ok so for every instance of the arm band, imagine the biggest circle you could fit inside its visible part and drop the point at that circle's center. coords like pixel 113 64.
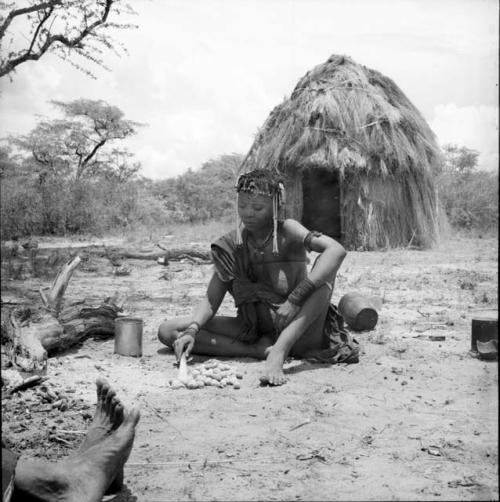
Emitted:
pixel 301 292
pixel 308 239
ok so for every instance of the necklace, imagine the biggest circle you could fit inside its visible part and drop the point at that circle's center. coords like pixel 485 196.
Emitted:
pixel 260 248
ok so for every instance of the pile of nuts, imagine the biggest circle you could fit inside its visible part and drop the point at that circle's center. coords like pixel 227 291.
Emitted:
pixel 211 373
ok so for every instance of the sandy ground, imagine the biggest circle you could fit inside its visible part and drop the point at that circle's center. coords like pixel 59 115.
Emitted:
pixel 416 419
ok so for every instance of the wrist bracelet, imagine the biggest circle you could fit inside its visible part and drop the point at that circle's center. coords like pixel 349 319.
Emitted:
pixel 301 292
pixel 198 327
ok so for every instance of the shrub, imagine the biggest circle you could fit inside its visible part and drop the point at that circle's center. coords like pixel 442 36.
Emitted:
pixel 469 196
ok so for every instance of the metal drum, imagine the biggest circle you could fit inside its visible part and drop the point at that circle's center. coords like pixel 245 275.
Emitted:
pixel 128 336
pixel 358 312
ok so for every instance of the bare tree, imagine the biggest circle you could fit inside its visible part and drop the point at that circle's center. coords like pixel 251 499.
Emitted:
pixel 66 28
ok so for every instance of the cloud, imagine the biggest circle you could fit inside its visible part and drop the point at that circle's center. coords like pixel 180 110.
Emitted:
pixel 474 127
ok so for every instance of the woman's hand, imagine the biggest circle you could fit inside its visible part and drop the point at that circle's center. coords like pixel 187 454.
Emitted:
pixel 184 343
pixel 285 314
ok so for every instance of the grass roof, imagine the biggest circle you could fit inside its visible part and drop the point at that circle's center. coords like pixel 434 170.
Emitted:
pixel 345 116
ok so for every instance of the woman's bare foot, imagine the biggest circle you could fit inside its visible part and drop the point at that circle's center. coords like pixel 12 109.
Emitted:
pixel 81 478
pixel 273 368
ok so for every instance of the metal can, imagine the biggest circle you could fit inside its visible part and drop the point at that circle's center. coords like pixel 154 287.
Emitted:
pixel 128 336
pixel 484 327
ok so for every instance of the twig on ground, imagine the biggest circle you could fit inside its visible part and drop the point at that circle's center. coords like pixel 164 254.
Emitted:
pixel 61 440
pixel 158 414
pixel 27 383
pixel 308 421
pixel 161 247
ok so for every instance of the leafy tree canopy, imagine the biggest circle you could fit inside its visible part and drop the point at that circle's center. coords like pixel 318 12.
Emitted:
pixel 82 144
pixel 202 194
pixel 460 159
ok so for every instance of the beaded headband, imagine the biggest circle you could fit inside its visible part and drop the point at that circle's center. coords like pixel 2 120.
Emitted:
pixel 262 182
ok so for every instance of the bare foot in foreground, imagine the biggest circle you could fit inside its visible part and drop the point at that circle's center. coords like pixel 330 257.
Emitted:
pixel 90 472
pixel 273 369
pixel 108 417
pixel 86 476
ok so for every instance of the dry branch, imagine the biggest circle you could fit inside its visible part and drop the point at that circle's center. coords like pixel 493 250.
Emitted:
pixel 27 383
pixel 56 293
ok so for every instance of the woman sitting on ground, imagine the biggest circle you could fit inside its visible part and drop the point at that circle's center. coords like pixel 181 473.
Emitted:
pixel 281 310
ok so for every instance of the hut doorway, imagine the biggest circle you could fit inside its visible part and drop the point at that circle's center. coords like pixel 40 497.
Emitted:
pixel 321 201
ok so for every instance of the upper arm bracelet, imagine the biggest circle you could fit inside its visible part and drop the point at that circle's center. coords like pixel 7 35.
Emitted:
pixel 308 239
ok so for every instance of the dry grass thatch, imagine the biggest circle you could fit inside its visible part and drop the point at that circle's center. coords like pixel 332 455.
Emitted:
pixel 347 117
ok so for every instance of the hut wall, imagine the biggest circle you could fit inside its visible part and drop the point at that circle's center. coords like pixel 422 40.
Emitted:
pixel 388 213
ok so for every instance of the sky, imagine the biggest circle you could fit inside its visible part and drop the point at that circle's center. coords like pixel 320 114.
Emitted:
pixel 204 74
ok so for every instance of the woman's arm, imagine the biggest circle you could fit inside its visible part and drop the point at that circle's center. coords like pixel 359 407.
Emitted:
pixel 331 256
pixel 211 302
pixel 332 253
pixel 202 314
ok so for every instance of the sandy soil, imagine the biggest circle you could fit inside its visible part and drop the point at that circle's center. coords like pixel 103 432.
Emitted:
pixel 416 419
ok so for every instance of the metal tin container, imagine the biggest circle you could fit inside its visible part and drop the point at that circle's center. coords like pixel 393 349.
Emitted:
pixel 128 336
pixel 358 312
pixel 484 327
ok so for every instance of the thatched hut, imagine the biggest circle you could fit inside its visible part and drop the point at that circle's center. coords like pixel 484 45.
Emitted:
pixel 357 157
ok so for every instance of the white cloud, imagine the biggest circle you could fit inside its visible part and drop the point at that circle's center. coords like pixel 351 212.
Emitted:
pixel 474 127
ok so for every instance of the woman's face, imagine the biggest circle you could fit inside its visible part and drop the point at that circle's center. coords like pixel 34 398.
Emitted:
pixel 255 210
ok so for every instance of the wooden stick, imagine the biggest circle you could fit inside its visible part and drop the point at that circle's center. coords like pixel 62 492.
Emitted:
pixel 44 298
pixel 61 440
pixel 27 383
pixel 161 247
pixel 308 421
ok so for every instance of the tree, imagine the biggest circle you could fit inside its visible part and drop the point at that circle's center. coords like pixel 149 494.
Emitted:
pixel 460 159
pixel 77 146
pixel 66 28
pixel 468 195
pixel 207 193
pixel 9 164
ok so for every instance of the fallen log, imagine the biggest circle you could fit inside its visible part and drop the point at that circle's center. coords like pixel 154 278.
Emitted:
pixel 170 254
pixel 45 256
pixel 25 349
pixel 32 334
